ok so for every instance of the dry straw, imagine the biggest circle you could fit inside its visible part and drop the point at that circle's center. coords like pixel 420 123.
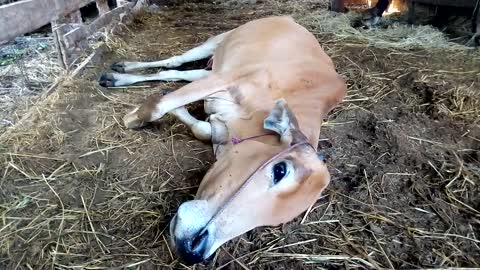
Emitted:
pixel 79 191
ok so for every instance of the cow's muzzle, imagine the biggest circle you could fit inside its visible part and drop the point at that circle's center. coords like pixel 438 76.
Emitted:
pixel 192 250
pixel 188 233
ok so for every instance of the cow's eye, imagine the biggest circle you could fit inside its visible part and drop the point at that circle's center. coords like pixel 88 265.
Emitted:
pixel 279 171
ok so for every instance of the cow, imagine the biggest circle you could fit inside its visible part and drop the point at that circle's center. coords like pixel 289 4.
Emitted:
pixel 270 87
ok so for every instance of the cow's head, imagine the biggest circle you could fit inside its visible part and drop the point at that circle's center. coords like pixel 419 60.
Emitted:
pixel 253 184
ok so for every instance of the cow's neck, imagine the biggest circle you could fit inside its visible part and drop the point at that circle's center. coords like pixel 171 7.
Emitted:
pixel 251 128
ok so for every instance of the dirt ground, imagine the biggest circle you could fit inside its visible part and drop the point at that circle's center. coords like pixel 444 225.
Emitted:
pixel 79 191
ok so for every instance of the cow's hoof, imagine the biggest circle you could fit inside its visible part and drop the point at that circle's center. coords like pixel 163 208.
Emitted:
pixel 107 80
pixel 118 67
pixel 131 120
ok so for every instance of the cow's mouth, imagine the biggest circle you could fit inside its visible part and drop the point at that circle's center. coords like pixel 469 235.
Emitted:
pixel 192 249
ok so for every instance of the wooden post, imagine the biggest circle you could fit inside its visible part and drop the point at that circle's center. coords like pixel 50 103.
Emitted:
pixel 75 18
pixel 102 6
pixel 411 11
pixel 62 25
pixel 338 5
pixel 70 34
pixel 57 39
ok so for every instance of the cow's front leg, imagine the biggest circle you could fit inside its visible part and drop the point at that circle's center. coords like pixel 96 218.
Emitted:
pixel 201 130
pixel 120 79
pixel 157 106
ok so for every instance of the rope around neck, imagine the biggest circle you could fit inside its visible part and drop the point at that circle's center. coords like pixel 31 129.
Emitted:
pixel 249 178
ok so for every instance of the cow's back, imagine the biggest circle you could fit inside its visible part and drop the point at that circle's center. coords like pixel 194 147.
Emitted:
pixel 268 41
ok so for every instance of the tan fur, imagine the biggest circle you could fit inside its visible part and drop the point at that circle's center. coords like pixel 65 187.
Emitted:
pixel 253 66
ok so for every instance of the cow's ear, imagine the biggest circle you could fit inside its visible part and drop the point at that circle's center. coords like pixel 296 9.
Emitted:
pixel 282 121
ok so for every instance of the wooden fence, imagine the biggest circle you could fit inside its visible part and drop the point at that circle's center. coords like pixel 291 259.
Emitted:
pixel 70 33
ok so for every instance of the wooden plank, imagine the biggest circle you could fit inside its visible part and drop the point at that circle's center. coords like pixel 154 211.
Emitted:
pixel 64 7
pixel 23 17
pixel 82 32
pixel 74 42
pixel 76 34
pixel 26 16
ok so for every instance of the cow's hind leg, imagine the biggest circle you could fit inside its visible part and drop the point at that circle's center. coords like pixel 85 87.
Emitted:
pixel 121 79
pixel 201 52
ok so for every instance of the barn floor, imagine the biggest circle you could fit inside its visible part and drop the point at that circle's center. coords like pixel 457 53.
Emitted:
pixel 79 191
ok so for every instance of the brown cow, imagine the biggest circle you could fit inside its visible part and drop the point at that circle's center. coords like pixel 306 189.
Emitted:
pixel 270 87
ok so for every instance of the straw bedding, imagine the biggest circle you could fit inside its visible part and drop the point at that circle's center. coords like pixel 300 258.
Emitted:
pixel 79 191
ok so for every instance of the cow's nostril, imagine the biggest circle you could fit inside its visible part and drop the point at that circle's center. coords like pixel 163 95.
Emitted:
pixel 199 243
pixel 192 251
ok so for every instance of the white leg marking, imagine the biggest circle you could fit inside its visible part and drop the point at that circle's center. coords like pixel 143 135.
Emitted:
pixel 201 52
pixel 201 129
pixel 121 79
